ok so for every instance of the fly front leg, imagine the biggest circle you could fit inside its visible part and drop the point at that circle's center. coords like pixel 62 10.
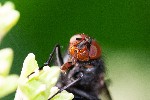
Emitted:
pixel 59 58
pixel 55 51
pixel 80 75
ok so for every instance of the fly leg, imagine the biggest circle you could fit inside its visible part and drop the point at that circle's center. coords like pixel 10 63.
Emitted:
pixel 56 51
pixel 105 94
pixel 58 56
pixel 80 75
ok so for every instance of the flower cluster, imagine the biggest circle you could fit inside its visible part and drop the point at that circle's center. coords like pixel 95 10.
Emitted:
pixel 8 18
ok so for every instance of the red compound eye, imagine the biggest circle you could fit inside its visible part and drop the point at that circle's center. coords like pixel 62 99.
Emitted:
pixel 95 50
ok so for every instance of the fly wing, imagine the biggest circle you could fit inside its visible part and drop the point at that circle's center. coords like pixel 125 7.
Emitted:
pixel 104 93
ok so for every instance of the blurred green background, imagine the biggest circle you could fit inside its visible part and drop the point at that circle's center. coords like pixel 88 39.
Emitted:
pixel 121 27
